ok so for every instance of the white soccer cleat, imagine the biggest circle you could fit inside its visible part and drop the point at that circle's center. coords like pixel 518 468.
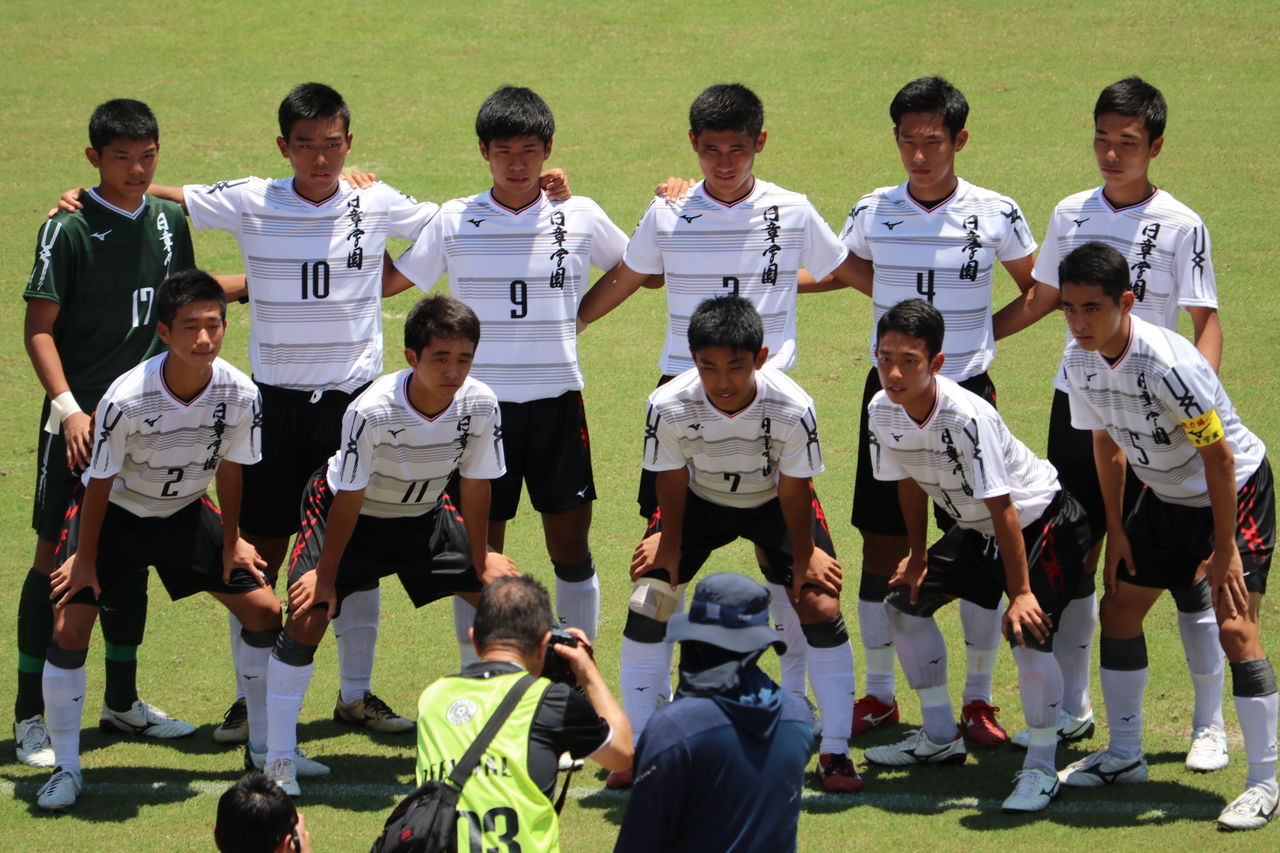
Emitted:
pixel 303 766
pixel 285 774
pixel 144 719
pixel 918 749
pixel 1102 768
pixel 1070 729
pixel 61 791
pixel 1208 749
pixel 31 742
pixel 234 727
pixel 371 713
pixel 1251 810
pixel 1033 790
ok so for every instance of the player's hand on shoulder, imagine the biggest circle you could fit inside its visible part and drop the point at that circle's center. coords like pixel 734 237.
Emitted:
pixel 358 179
pixel 555 183
pixel 673 188
pixel 309 591
pixel 77 430
pixel 68 201
pixel 244 556
pixel 497 566
pixel 75 574
pixel 910 572
pixel 821 570
pixel 1023 617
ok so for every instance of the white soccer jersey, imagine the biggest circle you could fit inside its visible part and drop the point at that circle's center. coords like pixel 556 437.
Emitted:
pixel 315 274
pixel 962 454
pixel 752 248
pixel 402 458
pixel 162 451
pixel 733 460
pixel 1159 401
pixel 946 255
pixel 523 272
pixel 1165 242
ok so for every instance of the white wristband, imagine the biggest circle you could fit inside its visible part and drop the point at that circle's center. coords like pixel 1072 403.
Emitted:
pixel 61 407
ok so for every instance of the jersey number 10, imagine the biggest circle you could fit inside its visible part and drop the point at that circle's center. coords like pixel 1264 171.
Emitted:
pixel 315 280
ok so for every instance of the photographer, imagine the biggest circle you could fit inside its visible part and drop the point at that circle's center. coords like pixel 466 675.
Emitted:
pixel 509 796
pixel 256 816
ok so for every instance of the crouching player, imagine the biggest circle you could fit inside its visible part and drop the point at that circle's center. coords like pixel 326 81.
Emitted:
pixel 1017 532
pixel 377 508
pixel 1154 402
pixel 165 429
pixel 735 447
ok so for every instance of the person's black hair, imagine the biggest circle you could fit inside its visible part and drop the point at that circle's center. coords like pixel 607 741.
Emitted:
pixel 914 318
pixel 726 321
pixel 1135 97
pixel 514 111
pixel 254 814
pixel 513 612
pixel 122 118
pixel 1096 263
pixel 439 316
pixel 312 100
pixel 185 287
pixel 932 95
pixel 727 106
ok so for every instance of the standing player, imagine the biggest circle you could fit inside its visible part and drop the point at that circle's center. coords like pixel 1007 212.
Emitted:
pixel 1152 401
pixel 521 261
pixel 165 430
pixel 90 316
pixel 735 447
pixel 379 506
pixel 1015 532
pixel 939 237
pixel 1167 247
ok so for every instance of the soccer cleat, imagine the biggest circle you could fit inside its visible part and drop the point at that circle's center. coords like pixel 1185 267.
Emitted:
pixel 918 749
pixel 31 740
pixel 144 719
pixel 62 790
pixel 979 725
pixel 301 764
pixel 1070 729
pixel 869 713
pixel 234 727
pixel 1102 768
pixel 1208 749
pixel 283 772
pixel 1251 810
pixel 1033 790
pixel 837 774
pixel 619 780
pixel 371 713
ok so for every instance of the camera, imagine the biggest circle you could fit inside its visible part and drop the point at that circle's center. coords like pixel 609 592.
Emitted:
pixel 556 668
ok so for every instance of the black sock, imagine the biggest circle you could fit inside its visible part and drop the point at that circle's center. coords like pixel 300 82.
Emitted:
pixel 124 621
pixel 35 630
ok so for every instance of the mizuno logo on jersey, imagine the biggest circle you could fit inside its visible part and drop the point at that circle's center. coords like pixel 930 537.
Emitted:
pixel 152 421
pixel 475 222
pixel 897 436
pixel 223 185
pixel 690 219
pixel 891 225
pixel 101 236
pixel 1080 222
pixel 395 432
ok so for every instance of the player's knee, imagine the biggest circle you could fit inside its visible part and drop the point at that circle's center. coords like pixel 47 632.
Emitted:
pixel 292 651
pixel 1239 637
pixel 575 572
pixel 872 587
pixel 1193 598
pixel 651 606
pixel 1253 678
pixel 1129 654
pixel 260 639
pixel 64 658
pixel 826 635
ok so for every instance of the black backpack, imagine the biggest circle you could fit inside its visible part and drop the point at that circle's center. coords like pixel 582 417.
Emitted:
pixel 426 821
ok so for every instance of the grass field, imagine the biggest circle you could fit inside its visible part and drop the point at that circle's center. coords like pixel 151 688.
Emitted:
pixel 620 77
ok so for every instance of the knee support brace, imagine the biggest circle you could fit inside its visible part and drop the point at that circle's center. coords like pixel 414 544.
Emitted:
pixel 290 651
pixel 826 635
pixel 651 606
pixel 575 572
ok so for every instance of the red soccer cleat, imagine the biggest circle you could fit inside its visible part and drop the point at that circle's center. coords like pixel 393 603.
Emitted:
pixel 869 713
pixel 979 726
pixel 837 774
pixel 619 780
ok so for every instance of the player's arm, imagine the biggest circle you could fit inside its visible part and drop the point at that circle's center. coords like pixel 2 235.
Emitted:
pixel 234 287
pixel 475 495
pixel 393 281
pixel 81 570
pixel 1024 614
pixel 914 502
pixel 1226 574
pixel 616 754
pixel 320 585
pixel 236 552
pixel 810 564
pixel 662 550
pixel 609 291
pixel 77 426
pixel 1207 333
pixel 854 272
pixel 1034 300
pixel 1110 462
pixel 173 194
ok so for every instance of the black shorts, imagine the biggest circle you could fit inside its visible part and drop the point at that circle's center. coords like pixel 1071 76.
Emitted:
pixel 298 436
pixel 647 494
pixel 708 526
pixel 430 553
pixel 966 564
pixel 1169 541
pixel 1071 453
pixel 548 449
pixel 54 483
pixel 185 548
pixel 875 502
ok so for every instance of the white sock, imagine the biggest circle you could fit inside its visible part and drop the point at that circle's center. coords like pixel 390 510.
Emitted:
pixel 251 663
pixel 833 688
pixel 981 645
pixel 1040 684
pixel 877 649
pixel 644 680
pixel 1122 691
pixel 64 691
pixel 938 719
pixel 1207 663
pixel 1073 646
pixel 1258 726
pixel 286 686
pixel 792 663
pixel 234 625
pixel 356 630
pixel 579 604
pixel 464 616
pixel 921 649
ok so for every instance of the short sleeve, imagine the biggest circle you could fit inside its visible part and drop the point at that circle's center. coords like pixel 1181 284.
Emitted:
pixel 355 455
pixel 1046 266
pixel 1017 242
pixel 608 241
pixel 216 205
pixel 662 451
pixel 643 253
pixel 984 457
pixel 852 235
pixel 426 260
pixel 801 455
pixel 483 458
pixel 246 438
pixel 405 214
pixel 55 263
pixel 1189 391
pixel 112 430
pixel 884 462
pixel 1083 414
pixel 1197 286
pixel 823 250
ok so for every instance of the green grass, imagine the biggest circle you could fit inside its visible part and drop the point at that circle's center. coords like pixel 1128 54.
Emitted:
pixel 620 78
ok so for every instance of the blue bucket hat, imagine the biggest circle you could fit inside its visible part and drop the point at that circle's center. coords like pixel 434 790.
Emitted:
pixel 730 611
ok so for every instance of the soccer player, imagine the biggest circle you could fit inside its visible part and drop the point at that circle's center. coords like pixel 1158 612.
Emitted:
pixel 732 234
pixel 735 447
pixel 1168 251
pixel 378 507
pixel 522 261
pixel 938 237
pixel 1016 532
pixel 164 430
pixel 1154 402
pixel 90 316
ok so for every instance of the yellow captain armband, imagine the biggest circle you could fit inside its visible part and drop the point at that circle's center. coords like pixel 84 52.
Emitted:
pixel 1204 430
